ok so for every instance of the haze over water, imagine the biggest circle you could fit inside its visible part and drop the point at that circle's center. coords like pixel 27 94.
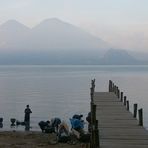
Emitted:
pixel 61 91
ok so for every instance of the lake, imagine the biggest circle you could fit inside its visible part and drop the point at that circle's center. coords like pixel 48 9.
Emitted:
pixel 61 91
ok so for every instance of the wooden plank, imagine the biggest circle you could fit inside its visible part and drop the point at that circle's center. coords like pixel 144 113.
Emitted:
pixel 124 142
pixel 117 127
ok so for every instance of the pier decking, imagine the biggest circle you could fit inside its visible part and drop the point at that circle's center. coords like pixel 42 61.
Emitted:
pixel 116 125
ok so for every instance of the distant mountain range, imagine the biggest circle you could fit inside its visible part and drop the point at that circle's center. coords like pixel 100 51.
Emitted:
pixel 56 42
pixel 50 34
pixel 120 57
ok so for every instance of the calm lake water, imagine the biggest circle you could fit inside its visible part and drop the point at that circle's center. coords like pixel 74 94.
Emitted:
pixel 61 91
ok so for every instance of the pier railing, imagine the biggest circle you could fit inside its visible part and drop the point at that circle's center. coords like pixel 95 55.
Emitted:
pixel 114 88
pixel 94 140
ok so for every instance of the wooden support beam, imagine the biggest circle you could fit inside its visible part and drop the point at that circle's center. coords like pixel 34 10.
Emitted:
pixel 121 96
pixel 124 100
pixel 135 110
pixel 140 111
pixel 127 105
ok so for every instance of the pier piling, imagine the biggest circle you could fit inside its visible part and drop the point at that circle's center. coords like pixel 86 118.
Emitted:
pixel 127 105
pixel 140 111
pixel 124 100
pixel 135 110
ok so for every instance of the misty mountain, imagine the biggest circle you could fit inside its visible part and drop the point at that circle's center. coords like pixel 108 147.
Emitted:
pixel 56 42
pixel 140 55
pixel 50 42
pixel 11 34
pixel 51 34
pixel 112 57
pixel 55 34
pixel 119 57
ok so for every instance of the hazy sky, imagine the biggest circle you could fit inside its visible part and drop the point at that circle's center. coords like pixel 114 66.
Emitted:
pixel 123 23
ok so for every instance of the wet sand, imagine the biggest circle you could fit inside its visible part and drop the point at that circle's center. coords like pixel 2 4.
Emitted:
pixel 16 139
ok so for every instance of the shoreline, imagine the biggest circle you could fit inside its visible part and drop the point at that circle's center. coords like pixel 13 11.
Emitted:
pixel 31 139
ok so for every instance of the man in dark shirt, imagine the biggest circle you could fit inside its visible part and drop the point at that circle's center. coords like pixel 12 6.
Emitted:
pixel 27 114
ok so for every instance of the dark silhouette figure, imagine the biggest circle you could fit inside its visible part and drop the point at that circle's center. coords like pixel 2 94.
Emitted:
pixel 27 118
pixel 27 114
pixel 1 122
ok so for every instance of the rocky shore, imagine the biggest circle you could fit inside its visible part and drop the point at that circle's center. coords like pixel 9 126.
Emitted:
pixel 17 139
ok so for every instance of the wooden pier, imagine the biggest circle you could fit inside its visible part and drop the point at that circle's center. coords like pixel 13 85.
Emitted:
pixel 116 126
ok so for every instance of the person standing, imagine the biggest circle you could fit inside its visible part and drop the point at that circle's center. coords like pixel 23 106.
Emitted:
pixel 27 114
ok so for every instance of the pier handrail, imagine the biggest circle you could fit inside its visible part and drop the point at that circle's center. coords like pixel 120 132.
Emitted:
pixel 94 140
pixel 114 88
pixel 105 103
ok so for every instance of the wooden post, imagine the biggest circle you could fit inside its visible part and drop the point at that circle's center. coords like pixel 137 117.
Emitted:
pixel 94 132
pixel 127 102
pixel 93 83
pixel 93 121
pixel 124 100
pixel 135 110
pixel 97 135
pixel 91 137
pixel 118 93
pixel 109 88
pixel 121 96
pixel 116 90
pixel 113 87
pixel 93 113
pixel 91 94
pixel 91 109
pixel 140 111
